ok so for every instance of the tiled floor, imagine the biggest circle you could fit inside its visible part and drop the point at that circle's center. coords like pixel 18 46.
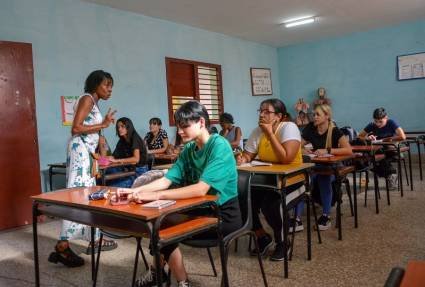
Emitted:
pixel 363 258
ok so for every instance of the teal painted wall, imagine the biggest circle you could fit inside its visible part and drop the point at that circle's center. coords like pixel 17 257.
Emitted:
pixel 359 74
pixel 71 38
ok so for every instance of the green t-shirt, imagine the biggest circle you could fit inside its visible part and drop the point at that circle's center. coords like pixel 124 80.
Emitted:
pixel 214 164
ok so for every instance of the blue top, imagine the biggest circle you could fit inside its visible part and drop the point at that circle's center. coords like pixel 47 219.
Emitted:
pixel 386 131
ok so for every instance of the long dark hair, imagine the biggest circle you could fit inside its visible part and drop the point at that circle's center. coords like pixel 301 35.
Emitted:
pixel 95 79
pixel 191 111
pixel 131 132
pixel 279 107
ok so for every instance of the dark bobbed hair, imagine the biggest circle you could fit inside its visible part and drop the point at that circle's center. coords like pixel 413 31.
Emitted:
pixel 226 118
pixel 95 79
pixel 131 132
pixel 191 111
pixel 379 113
pixel 279 107
pixel 155 121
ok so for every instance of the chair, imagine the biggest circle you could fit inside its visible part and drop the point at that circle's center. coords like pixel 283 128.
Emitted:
pixel 116 235
pixel 244 195
pixel 150 161
pixel 340 178
pixel 395 277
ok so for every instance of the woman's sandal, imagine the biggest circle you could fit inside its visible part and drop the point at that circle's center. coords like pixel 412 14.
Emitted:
pixel 106 246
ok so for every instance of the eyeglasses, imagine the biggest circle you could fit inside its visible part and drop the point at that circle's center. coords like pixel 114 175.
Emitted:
pixel 266 112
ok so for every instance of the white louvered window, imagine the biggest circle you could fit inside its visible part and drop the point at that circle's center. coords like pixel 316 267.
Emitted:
pixel 189 80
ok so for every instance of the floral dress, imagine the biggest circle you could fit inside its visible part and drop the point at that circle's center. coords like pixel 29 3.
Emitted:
pixel 78 169
pixel 156 142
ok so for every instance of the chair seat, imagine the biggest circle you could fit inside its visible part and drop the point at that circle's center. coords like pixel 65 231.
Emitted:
pixel 188 227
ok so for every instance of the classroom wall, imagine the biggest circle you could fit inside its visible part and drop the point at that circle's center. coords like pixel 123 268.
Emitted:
pixel 359 74
pixel 71 38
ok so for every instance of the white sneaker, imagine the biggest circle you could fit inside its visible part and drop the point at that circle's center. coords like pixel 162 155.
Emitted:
pixel 392 181
pixel 184 283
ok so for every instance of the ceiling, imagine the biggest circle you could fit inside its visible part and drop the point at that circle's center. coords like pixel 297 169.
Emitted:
pixel 260 21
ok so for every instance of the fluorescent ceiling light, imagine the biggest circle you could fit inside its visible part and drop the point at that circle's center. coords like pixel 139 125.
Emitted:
pixel 299 21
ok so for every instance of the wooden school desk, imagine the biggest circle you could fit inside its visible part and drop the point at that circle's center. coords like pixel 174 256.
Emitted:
pixel 282 172
pixel 334 165
pixel 73 204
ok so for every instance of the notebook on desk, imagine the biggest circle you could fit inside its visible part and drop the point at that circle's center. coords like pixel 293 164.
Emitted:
pixel 256 163
pixel 158 204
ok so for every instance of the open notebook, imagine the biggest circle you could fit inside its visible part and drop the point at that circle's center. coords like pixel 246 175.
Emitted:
pixel 256 163
pixel 312 155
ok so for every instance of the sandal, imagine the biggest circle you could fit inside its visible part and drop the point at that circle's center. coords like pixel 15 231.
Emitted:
pixel 67 257
pixel 106 246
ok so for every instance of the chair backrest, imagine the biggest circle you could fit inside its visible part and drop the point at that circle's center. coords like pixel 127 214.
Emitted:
pixel 244 196
pixel 150 161
pixel 395 277
pixel 350 133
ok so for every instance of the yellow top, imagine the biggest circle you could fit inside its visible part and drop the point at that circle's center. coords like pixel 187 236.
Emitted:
pixel 266 153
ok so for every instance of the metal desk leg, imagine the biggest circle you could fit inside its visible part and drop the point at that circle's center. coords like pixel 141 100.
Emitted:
pixel 93 273
pixel 400 175
pixel 376 184
pixel 410 168
pixel 50 177
pixel 35 240
pixel 355 200
pixel 420 159
pixel 285 232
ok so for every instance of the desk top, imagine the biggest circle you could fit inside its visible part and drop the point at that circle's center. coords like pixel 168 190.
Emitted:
pixel 281 169
pixel 414 275
pixel 115 164
pixel 163 166
pixel 332 159
pixel 78 197
pixel 365 148
pixel 58 165
pixel 172 156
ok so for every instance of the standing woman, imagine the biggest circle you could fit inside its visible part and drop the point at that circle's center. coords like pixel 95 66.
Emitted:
pixel 325 138
pixel 156 138
pixel 86 126
pixel 231 132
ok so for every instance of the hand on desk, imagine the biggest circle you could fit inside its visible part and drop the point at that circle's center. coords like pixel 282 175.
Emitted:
pixel 141 196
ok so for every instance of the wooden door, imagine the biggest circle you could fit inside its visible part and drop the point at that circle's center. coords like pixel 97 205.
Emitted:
pixel 19 162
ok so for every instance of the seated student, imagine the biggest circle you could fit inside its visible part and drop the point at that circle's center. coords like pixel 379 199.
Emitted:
pixel 278 140
pixel 383 128
pixel 156 138
pixel 130 149
pixel 325 138
pixel 206 165
pixel 231 132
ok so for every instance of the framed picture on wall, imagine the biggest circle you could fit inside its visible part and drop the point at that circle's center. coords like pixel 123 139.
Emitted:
pixel 261 82
pixel 67 109
pixel 411 66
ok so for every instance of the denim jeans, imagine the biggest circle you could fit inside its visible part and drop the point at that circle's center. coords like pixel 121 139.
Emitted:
pixel 125 182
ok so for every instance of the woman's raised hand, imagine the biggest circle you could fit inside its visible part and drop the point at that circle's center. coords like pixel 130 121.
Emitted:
pixel 109 118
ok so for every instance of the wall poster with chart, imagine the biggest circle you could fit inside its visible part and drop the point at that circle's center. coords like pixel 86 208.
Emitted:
pixel 261 81
pixel 67 108
pixel 411 66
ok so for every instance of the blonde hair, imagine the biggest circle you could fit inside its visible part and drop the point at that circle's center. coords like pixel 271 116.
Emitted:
pixel 327 110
